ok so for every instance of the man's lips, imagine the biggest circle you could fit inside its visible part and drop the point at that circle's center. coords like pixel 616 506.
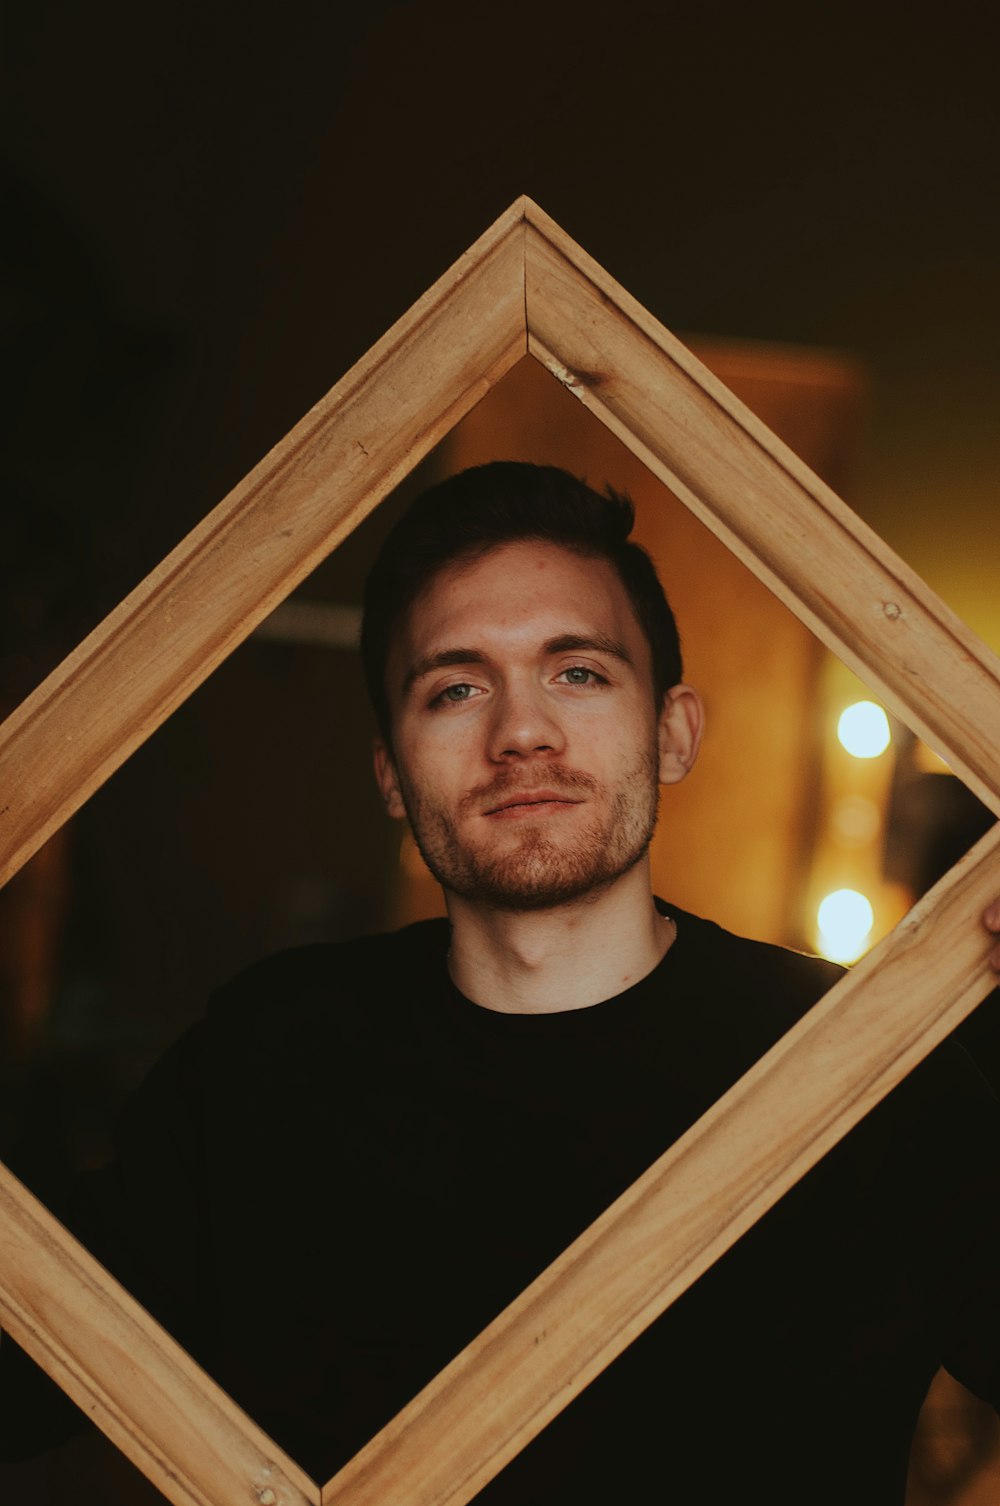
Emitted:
pixel 525 802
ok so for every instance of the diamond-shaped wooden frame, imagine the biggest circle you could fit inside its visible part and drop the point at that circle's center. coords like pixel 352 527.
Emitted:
pixel 523 289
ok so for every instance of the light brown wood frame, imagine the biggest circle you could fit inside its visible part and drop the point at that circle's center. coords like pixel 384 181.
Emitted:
pixel 523 289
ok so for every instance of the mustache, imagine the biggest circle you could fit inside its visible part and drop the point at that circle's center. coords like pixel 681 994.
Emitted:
pixel 510 782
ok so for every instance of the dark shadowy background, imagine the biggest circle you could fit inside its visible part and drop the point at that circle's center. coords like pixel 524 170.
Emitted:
pixel 211 210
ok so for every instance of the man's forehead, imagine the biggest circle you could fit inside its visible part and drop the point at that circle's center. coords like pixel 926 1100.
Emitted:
pixel 524 574
pixel 532 596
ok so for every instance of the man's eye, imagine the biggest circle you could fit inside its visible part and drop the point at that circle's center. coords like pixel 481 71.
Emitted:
pixel 454 695
pixel 579 674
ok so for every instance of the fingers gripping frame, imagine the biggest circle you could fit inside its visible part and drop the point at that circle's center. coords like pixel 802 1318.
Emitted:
pixel 523 288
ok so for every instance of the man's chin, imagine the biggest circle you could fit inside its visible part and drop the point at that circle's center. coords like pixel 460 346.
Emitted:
pixel 529 887
pixel 522 901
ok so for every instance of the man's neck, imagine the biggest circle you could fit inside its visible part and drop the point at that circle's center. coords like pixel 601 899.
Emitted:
pixel 547 961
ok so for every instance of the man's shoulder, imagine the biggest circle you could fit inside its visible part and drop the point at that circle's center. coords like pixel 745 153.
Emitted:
pixel 331 979
pixel 354 957
pixel 299 1020
pixel 755 975
pixel 765 989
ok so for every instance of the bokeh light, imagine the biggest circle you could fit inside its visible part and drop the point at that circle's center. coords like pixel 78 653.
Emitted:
pixel 856 819
pixel 845 920
pixel 863 730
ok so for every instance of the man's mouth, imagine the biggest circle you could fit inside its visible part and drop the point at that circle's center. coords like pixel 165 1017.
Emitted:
pixel 531 802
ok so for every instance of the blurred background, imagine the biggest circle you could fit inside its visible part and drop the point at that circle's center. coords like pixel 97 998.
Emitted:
pixel 213 210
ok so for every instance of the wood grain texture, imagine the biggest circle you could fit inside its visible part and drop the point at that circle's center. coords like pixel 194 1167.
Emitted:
pixel 711 1186
pixel 311 490
pixel 796 534
pixel 138 1385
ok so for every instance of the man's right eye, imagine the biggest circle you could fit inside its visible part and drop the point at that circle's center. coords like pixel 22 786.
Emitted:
pixel 454 695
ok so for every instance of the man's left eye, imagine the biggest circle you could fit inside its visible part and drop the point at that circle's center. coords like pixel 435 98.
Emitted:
pixel 579 674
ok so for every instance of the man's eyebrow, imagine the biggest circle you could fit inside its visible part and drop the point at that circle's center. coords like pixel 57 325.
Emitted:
pixel 596 642
pixel 443 659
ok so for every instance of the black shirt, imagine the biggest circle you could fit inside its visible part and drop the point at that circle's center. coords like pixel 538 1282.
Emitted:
pixel 334 1182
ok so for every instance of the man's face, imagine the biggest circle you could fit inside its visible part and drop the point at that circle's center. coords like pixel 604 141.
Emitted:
pixel 526 743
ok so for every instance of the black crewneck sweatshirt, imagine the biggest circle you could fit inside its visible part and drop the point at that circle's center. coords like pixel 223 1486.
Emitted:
pixel 336 1180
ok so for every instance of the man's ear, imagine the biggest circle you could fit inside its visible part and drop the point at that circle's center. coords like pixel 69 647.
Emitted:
pixel 387 779
pixel 682 721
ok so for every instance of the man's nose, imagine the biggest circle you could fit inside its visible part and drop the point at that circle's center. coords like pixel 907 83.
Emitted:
pixel 524 723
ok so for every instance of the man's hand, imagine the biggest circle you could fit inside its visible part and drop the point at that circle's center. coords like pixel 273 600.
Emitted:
pixel 991 920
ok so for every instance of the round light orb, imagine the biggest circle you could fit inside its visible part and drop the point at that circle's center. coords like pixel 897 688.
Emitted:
pixel 863 729
pixel 845 919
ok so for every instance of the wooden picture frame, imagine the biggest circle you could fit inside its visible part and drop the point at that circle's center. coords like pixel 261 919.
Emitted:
pixel 524 289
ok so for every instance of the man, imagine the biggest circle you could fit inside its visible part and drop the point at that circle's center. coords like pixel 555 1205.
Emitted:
pixel 366 1151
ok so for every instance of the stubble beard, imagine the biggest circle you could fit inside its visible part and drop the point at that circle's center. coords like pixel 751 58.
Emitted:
pixel 535 868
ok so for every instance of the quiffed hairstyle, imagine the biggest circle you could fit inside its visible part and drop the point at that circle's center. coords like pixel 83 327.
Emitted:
pixel 506 502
